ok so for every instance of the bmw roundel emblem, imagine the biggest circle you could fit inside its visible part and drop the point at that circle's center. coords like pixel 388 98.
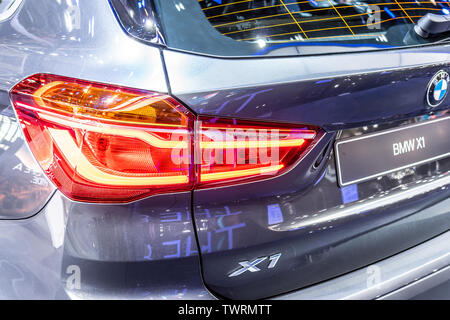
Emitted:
pixel 438 88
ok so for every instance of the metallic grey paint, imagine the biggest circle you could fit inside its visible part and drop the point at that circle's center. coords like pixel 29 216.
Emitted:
pixel 82 41
pixel 148 248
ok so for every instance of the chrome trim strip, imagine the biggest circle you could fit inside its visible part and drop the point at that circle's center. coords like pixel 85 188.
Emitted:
pixel 404 269
pixel 372 203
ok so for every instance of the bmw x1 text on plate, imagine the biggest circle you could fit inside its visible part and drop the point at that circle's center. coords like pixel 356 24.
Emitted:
pixel 204 149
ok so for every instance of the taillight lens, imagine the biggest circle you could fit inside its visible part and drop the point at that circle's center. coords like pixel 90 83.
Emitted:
pixel 233 151
pixel 105 143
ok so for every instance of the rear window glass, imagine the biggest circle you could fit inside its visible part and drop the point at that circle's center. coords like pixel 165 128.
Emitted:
pixel 279 27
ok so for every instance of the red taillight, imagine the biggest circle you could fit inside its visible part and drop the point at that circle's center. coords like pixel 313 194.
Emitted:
pixel 104 143
pixel 233 151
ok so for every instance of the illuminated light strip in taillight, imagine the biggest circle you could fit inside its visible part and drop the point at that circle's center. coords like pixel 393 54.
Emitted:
pixel 233 151
pixel 139 134
pixel 123 107
pixel 83 167
pixel 105 143
pixel 126 106
pixel 240 173
pixel 115 131
pixel 129 105
pixel 37 95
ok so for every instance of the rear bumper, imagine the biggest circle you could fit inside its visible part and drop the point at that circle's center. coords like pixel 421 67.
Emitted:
pixel 34 268
pixel 402 276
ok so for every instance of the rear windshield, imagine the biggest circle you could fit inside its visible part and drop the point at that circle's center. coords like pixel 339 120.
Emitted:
pixel 289 27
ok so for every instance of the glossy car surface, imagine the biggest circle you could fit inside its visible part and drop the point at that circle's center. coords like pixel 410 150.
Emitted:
pixel 334 241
